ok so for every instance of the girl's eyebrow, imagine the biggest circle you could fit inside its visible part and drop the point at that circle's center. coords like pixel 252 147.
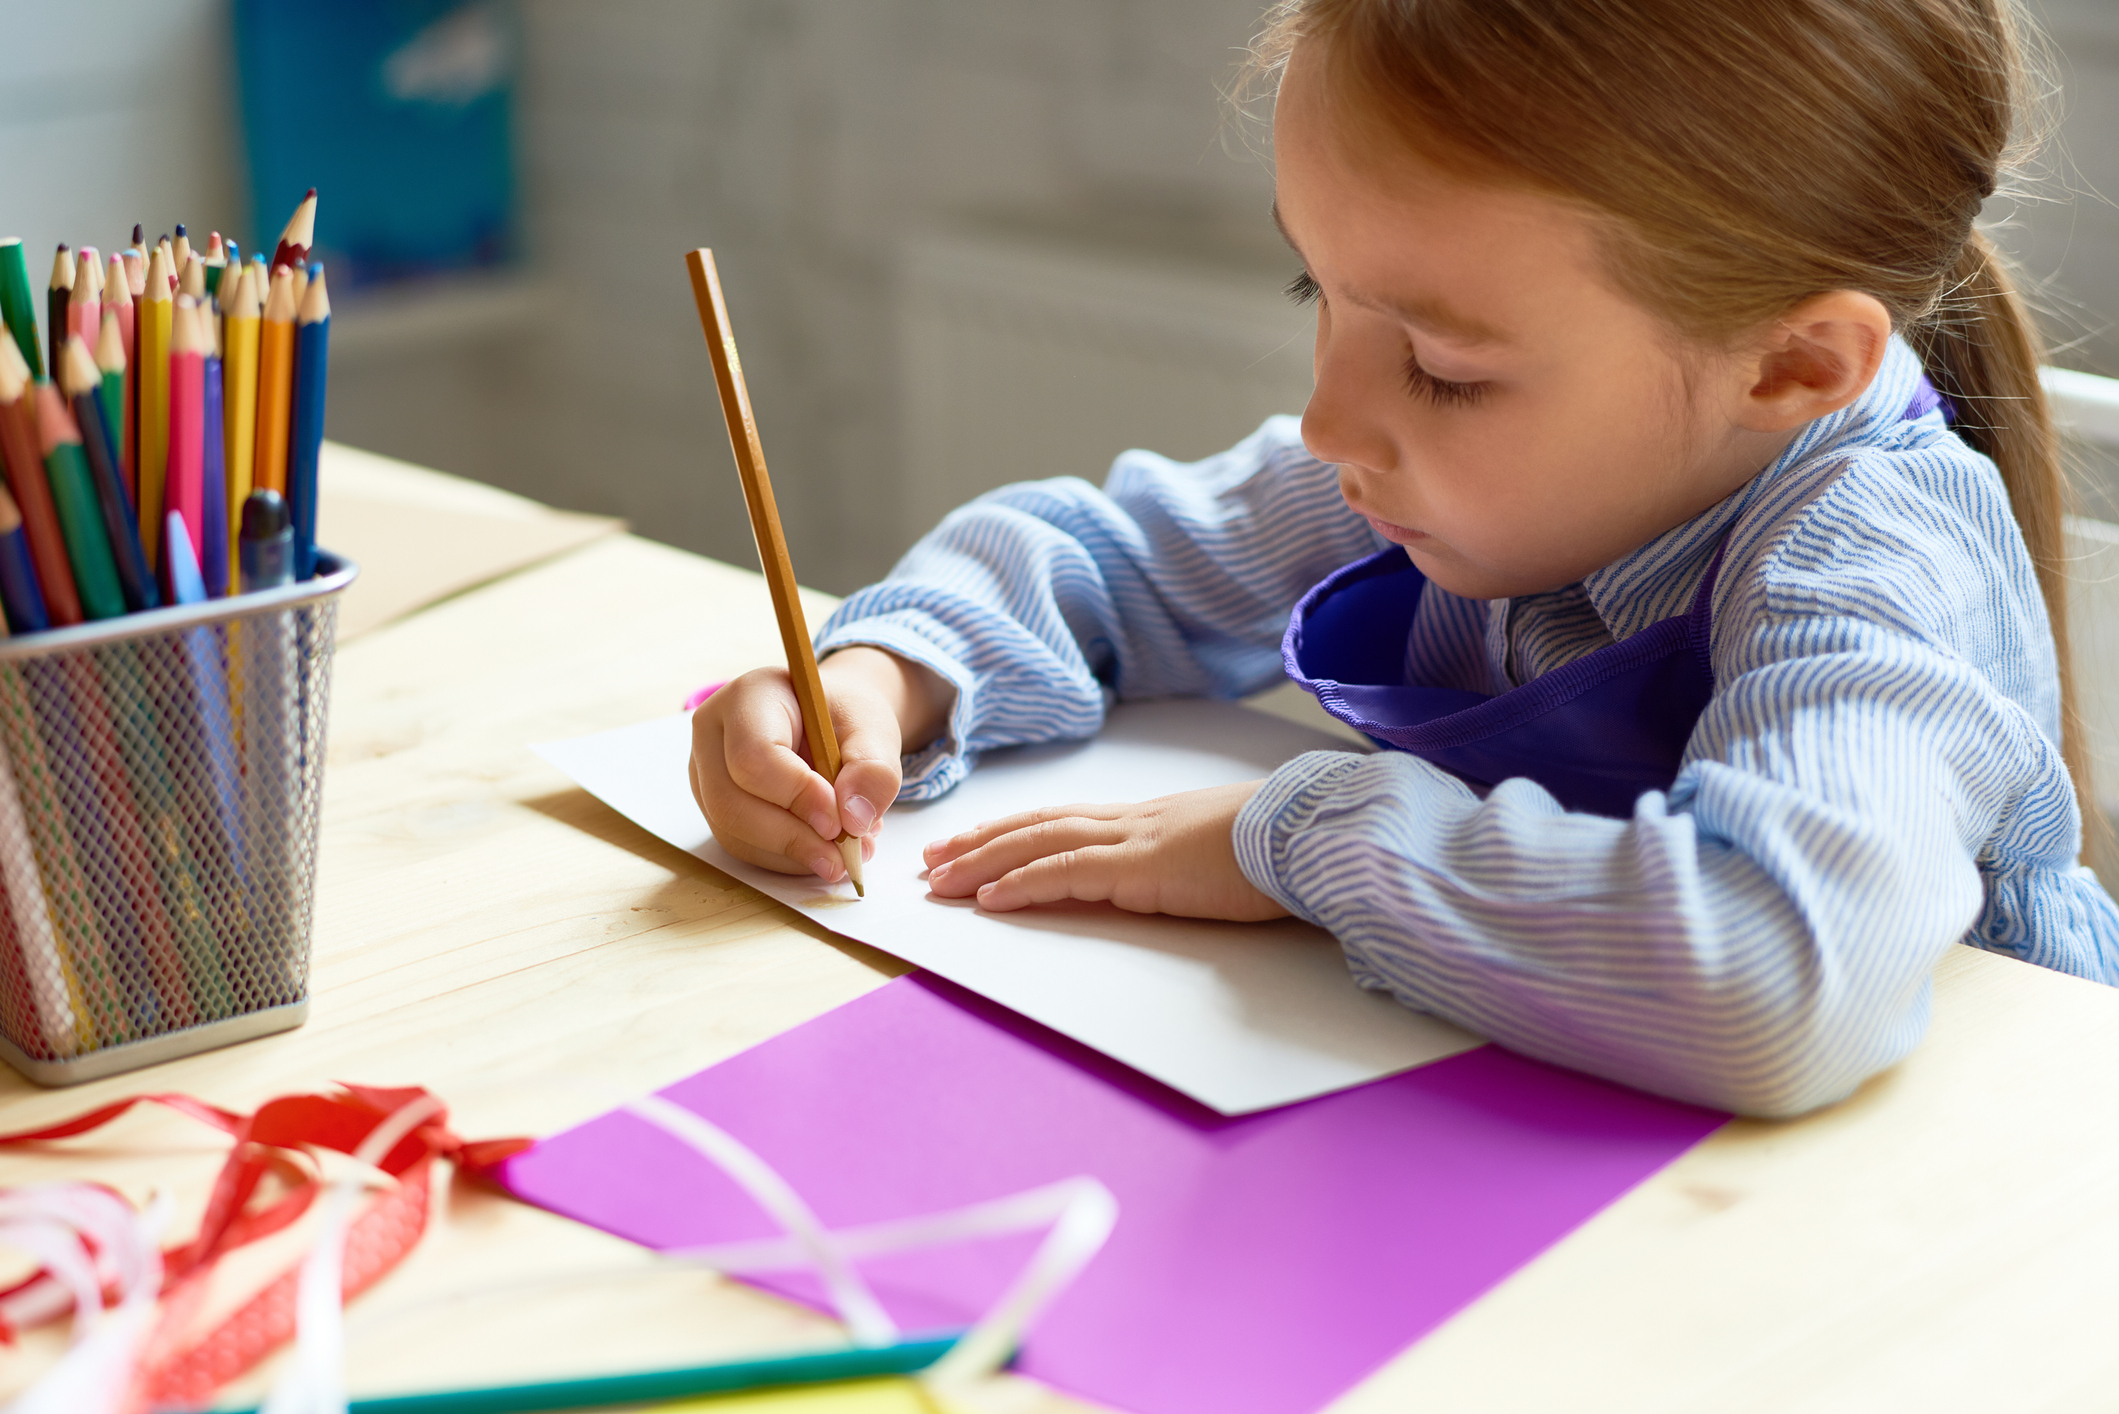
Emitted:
pixel 1436 316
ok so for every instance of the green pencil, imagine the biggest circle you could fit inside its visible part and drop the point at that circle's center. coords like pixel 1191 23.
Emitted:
pixel 18 306
pixel 80 517
pixel 600 1391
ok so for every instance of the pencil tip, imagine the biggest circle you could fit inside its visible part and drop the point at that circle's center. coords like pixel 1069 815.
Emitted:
pixel 137 233
pixel 309 193
pixel 180 228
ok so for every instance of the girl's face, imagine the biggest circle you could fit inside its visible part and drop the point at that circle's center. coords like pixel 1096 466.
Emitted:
pixel 1492 403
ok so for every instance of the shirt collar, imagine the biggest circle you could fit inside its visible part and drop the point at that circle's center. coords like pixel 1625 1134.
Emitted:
pixel 1657 580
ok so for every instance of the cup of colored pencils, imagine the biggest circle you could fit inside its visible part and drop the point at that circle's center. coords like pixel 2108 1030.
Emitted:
pixel 166 660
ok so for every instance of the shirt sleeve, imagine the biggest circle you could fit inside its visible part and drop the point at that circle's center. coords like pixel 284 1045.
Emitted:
pixel 1042 602
pixel 1859 795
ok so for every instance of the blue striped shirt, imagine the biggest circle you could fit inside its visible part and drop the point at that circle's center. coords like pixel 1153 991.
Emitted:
pixel 1876 777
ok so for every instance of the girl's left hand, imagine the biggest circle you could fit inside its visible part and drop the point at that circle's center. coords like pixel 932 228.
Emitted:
pixel 1170 855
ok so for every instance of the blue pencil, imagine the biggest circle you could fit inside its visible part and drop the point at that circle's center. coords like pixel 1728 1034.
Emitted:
pixel 214 566
pixel 83 386
pixel 305 422
pixel 18 577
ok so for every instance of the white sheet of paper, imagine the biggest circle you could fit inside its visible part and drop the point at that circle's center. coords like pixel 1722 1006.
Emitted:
pixel 1240 1016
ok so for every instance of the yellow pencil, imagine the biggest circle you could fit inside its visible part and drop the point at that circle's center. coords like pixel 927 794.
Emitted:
pixel 157 309
pixel 239 406
pixel 275 383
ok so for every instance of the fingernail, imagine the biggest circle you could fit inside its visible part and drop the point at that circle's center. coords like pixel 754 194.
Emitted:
pixel 938 873
pixel 860 814
pixel 821 823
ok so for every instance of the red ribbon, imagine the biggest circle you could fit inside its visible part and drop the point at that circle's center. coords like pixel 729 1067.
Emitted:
pixel 177 1372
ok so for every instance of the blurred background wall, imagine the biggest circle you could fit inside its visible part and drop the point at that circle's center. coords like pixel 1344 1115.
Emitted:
pixel 965 241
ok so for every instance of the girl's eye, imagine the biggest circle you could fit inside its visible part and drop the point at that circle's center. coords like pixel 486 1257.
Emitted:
pixel 1439 391
pixel 1303 289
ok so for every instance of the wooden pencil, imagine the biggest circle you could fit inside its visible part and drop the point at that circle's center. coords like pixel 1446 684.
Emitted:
pixel 293 249
pixel 24 601
pixel 74 493
pixel 24 457
pixel 180 251
pixel 84 312
pixel 111 370
pixel 305 420
pixel 151 375
pixel 83 387
pixel 275 382
pixel 216 262
pixel 56 301
pixel 18 306
pixel 193 280
pixel 772 543
pixel 239 393
pixel 117 303
pixel 183 492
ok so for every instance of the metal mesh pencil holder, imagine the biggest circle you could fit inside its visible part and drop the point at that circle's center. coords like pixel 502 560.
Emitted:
pixel 160 776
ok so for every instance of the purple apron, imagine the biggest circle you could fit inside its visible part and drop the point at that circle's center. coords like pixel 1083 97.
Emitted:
pixel 1597 733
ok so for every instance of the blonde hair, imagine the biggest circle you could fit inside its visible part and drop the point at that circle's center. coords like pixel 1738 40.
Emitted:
pixel 1742 156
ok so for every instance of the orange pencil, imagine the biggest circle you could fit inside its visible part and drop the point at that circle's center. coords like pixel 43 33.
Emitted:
pixel 275 383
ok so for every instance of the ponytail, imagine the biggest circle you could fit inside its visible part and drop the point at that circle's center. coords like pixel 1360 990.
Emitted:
pixel 1982 351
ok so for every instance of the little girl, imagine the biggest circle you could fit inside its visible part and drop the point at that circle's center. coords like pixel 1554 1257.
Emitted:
pixel 1677 499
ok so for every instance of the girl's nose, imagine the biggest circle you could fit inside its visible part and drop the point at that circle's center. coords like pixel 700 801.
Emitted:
pixel 1343 423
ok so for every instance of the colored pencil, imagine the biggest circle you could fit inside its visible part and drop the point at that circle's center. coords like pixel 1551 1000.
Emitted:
pixel 907 1356
pixel 18 309
pixel 213 479
pixel 75 931
pixel 182 493
pixel 83 388
pixel 239 392
pixel 151 373
pixel 18 577
pixel 193 279
pixel 20 448
pixel 74 493
pixel 84 311
pixel 765 529
pixel 275 382
pixel 56 300
pixel 293 249
pixel 117 302
pixel 180 251
pixel 216 262
pixel 312 357
pixel 48 1032
pixel 110 369
pixel 299 278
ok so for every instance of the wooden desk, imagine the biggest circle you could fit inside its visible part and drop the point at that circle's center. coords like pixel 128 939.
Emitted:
pixel 1949 1239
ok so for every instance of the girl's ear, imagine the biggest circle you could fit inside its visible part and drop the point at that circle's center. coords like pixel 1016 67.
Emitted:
pixel 1817 359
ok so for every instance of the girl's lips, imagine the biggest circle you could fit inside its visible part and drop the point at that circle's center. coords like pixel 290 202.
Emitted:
pixel 1397 534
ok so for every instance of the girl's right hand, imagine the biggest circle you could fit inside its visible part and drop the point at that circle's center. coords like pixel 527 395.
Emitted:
pixel 753 778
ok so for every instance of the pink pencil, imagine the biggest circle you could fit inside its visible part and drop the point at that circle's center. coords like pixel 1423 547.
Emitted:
pixel 184 490
pixel 84 311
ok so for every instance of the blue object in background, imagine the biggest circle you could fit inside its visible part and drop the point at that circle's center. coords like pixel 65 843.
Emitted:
pixel 398 113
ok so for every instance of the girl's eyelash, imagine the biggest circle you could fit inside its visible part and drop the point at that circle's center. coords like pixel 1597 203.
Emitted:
pixel 1303 289
pixel 1439 391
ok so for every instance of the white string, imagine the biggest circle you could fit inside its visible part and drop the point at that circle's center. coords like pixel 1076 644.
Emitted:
pixel 314 1379
pixel 856 1304
pixel 81 1233
pixel 1081 1211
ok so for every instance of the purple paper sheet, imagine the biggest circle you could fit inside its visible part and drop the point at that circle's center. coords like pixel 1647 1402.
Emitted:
pixel 1261 1265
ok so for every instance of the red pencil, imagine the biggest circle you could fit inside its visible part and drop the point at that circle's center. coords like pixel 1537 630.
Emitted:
pixel 293 250
pixel 84 311
pixel 22 449
pixel 184 490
